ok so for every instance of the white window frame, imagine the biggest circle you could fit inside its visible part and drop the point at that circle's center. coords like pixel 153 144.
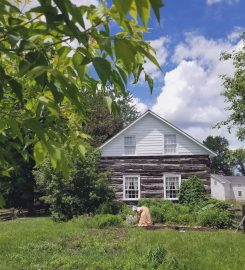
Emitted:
pixel 176 145
pixel 124 191
pixel 164 185
pixel 125 146
pixel 238 193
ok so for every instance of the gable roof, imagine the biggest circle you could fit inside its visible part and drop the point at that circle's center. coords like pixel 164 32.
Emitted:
pixel 229 179
pixel 211 153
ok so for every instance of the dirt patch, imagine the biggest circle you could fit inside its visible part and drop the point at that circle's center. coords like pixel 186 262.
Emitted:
pixel 178 228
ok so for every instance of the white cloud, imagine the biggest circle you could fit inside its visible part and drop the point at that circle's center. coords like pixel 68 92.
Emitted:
pixel 230 2
pixel 161 55
pixel 191 95
pixel 141 107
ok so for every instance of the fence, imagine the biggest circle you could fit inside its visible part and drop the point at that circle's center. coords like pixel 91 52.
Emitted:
pixel 12 213
pixel 238 214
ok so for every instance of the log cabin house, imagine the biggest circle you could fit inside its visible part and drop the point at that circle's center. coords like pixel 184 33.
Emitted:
pixel 151 157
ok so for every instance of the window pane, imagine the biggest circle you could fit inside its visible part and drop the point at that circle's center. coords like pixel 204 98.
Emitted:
pixel 129 140
pixel 172 187
pixel 170 144
pixel 131 187
pixel 129 150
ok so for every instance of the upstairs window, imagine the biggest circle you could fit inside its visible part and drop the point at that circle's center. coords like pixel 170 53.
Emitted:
pixel 129 145
pixel 171 187
pixel 131 187
pixel 170 144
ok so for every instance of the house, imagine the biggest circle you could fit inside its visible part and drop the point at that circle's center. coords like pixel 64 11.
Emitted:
pixel 228 187
pixel 151 157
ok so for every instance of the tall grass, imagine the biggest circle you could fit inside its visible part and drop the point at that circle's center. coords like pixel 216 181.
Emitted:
pixel 40 243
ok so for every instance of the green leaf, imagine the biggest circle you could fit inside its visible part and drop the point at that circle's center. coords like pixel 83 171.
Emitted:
pixel 103 69
pixel 37 71
pixel 24 66
pixel 77 61
pixel 126 52
pixel 143 8
pixel 39 152
pixel 149 81
pixel 147 54
pixel 108 101
pixel 56 92
pixel 36 127
pixel 81 149
pixel 156 5
pixel 16 87
pixel 15 128
pixel 52 107
pixel 123 7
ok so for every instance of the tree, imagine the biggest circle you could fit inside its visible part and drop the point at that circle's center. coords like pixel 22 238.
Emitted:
pixel 235 92
pixel 44 78
pixel 84 191
pixel 238 160
pixel 219 145
pixel 101 125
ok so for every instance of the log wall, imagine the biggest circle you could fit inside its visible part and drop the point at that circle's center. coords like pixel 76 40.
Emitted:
pixel 151 170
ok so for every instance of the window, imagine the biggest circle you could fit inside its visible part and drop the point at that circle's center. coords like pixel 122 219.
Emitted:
pixel 239 193
pixel 129 145
pixel 170 144
pixel 171 187
pixel 131 187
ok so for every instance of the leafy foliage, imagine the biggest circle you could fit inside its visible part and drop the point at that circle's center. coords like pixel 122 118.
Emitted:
pixel 192 191
pixel 234 92
pixel 83 192
pixel 211 216
pixel 206 212
pixel 44 78
pixel 101 125
pixel 237 157
pixel 220 163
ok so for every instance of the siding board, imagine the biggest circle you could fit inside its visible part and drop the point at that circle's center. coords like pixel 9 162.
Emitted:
pixel 151 170
pixel 149 132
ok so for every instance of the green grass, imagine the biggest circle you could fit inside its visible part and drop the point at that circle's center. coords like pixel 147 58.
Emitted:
pixel 40 243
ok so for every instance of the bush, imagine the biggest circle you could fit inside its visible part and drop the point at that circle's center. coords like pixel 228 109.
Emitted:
pixel 105 221
pixel 85 191
pixel 211 216
pixel 192 191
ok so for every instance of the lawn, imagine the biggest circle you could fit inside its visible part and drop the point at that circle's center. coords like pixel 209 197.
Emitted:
pixel 40 243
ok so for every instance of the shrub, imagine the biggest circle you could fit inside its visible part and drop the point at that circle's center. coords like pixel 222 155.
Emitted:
pixel 192 191
pixel 85 190
pixel 211 216
pixel 105 221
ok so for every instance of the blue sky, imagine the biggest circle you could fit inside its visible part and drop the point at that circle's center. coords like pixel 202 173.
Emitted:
pixel 189 40
pixel 213 21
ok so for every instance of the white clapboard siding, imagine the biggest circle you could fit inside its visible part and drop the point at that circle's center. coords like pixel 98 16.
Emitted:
pixel 149 132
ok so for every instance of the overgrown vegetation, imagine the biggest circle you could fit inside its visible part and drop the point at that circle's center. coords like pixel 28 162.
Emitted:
pixel 85 191
pixel 195 207
pixel 192 191
pixel 40 243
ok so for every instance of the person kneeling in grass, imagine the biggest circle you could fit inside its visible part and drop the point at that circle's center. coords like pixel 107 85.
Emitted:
pixel 143 216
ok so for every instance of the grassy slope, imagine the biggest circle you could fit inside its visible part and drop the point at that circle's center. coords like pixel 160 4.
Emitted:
pixel 39 243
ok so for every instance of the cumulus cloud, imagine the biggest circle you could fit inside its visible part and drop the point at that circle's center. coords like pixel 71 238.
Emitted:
pixel 161 55
pixel 141 107
pixel 191 95
pixel 230 2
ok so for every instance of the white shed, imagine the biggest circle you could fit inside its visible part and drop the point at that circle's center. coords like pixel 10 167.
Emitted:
pixel 228 187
